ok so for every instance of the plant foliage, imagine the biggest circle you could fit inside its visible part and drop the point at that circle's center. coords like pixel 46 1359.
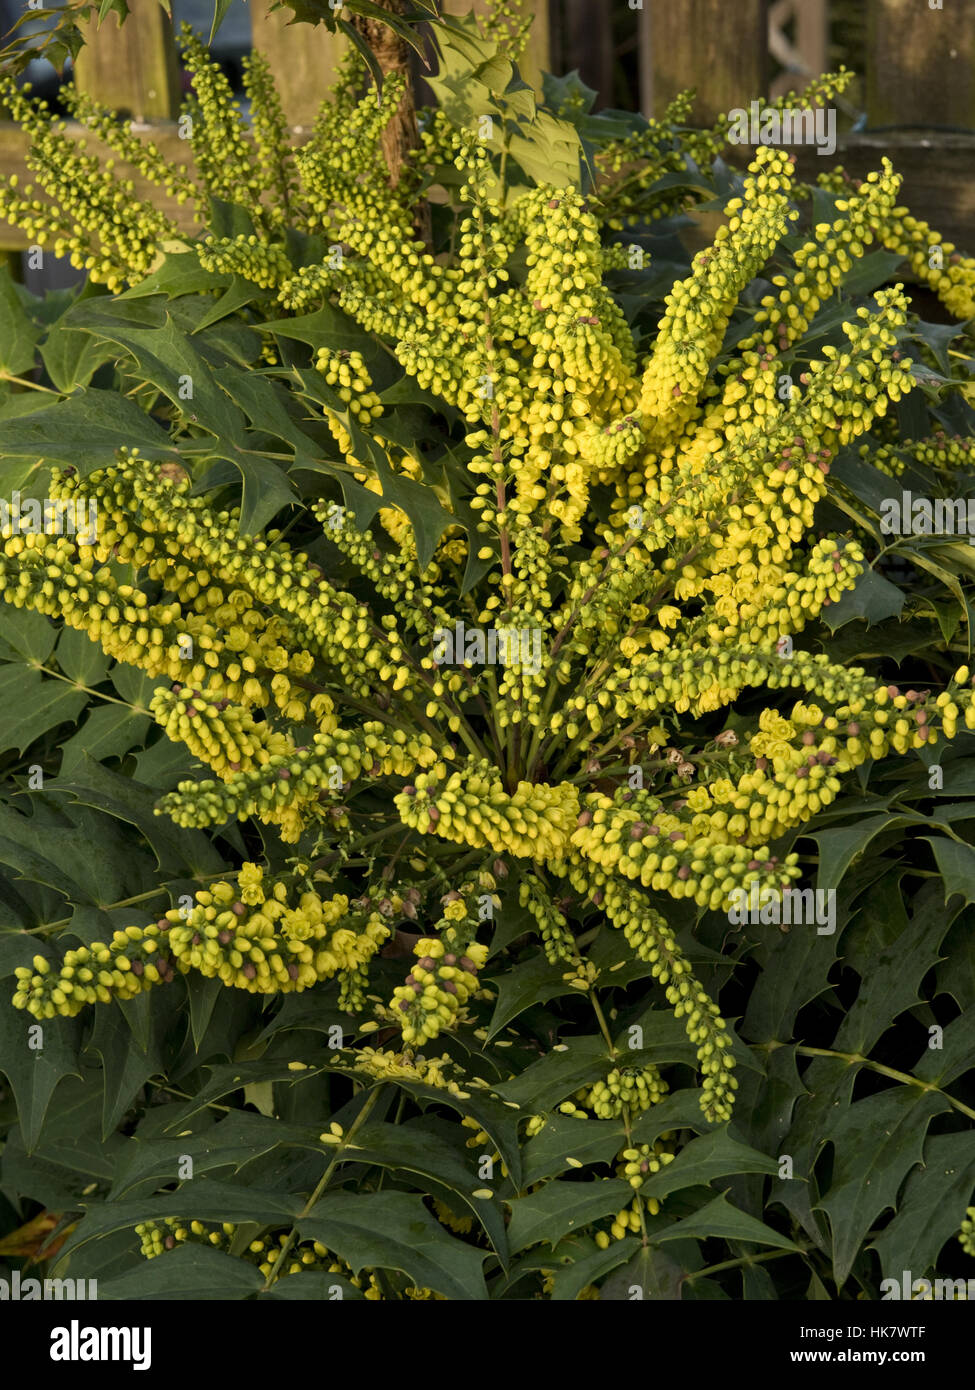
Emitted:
pixel 437 642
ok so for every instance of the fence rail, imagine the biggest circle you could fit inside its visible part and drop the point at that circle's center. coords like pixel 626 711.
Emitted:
pixel 919 77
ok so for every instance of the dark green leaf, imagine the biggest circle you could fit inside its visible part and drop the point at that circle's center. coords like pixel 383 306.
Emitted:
pixel 562 1206
pixel 84 431
pixel 31 705
pixel 79 657
pixel 709 1156
pixel 877 1141
pixel 108 732
pixel 393 1230
pixel 18 335
pixel 194 1272
pixel 931 1208
pixel 872 598
pixel 33 1071
pixel 720 1218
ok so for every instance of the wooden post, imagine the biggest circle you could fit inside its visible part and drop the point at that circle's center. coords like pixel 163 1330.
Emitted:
pixel 132 68
pixel 587 45
pixel 804 57
pixel 919 63
pixel 720 49
pixel 303 59
pixel 645 61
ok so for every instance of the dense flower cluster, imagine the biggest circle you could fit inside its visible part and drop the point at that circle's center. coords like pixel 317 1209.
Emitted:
pixel 636 535
pixel 250 935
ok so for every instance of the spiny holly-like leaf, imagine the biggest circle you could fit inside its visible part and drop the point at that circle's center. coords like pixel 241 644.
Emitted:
pixel 240 1138
pixel 532 981
pixel 707 1157
pixel 953 1056
pixel 578 1261
pixel 192 1272
pixel 648 1274
pixel 720 1218
pixel 877 1141
pixel 79 658
pixel 931 1207
pixel 35 1058
pixel 108 732
pixel 431 1150
pixel 31 706
pixel 562 1206
pixel 579 1061
pixel 872 598
pixel 567 1142
pixel 84 432
pixel 175 849
pixel 956 864
pixel 394 1230
pixel 840 848
pixel 18 335
pixel 203 1199
pixel 893 979
pixel 125 1069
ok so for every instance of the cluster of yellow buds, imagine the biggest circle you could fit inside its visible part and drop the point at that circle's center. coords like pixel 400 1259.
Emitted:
pixel 632 1088
pixel 250 935
pixel 442 980
pixel 642 1161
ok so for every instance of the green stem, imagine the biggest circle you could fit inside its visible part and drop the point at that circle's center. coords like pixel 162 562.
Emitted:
pixel 902 1076
pixel 346 1139
pixel 747 1260
pixel 127 704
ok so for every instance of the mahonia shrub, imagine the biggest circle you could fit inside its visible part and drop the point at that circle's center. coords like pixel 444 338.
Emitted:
pixel 471 625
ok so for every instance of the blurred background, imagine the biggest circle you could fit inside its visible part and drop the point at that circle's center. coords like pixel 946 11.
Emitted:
pixel 914 96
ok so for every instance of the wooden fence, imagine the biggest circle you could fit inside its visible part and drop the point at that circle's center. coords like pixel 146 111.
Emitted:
pixel 917 61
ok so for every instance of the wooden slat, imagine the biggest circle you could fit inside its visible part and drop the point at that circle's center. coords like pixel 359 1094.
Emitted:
pixel 645 60
pixel 133 68
pixel 716 47
pixel 920 68
pixel 806 56
pixel 587 45
pixel 812 34
pixel 302 58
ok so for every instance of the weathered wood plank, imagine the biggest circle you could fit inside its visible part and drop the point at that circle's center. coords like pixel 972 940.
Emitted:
pixel 133 69
pixel 919 63
pixel 587 45
pixel 721 50
pixel 805 56
pixel 302 58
